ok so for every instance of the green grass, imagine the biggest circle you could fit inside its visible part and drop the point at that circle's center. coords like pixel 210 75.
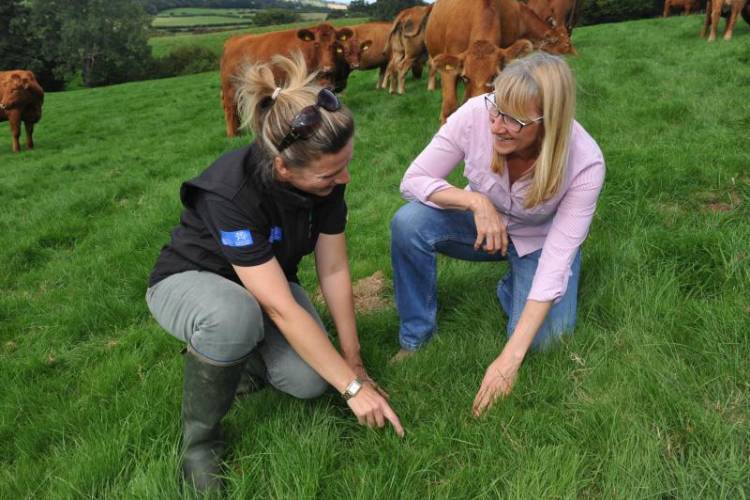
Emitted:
pixel 196 21
pixel 163 45
pixel 650 398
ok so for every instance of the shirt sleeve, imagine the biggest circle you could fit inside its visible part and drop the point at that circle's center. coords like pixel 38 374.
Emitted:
pixel 426 175
pixel 243 241
pixel 569 229
pixel 331 214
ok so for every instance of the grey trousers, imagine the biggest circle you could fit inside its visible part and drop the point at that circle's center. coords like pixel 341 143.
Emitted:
pixel 223 324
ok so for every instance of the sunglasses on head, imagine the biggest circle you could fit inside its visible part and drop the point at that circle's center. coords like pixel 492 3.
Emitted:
pixel 308 119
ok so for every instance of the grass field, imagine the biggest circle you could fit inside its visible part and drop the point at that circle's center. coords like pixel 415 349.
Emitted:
pixel 650 398
pixel 162 45
pixel 199 18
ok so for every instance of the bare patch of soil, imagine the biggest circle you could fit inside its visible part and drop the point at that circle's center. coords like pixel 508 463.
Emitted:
pixel 368 294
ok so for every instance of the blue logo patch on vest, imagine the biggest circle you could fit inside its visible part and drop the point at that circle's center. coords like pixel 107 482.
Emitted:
pixel 275 234
pixel 241 238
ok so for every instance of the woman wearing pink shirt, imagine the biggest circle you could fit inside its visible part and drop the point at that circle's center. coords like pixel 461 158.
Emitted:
pixel 534 176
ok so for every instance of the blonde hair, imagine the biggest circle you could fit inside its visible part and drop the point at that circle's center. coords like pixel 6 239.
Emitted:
pixel 546 81
pixel 269 112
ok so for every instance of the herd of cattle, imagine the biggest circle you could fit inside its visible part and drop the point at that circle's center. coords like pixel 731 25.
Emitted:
pixel 467 40
pixel 470 40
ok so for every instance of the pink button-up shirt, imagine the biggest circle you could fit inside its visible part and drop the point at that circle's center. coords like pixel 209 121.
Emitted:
pixel 558 225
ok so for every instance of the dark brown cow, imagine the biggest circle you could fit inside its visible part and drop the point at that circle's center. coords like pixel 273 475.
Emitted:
pixel 465 38
pixel 348 51
pixel 713 15
pixel 686 5
pixel 408 49
pixel 318 46
pixel 373 38
pixel 21 99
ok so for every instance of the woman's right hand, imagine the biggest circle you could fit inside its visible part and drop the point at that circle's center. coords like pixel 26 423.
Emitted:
pixel 490 227
pixel 372 409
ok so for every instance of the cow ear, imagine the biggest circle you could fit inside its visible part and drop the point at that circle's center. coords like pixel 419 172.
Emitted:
pixel 344 34
pixel 448 63
pixel 306 35
pixel 365 45
pixel 520 48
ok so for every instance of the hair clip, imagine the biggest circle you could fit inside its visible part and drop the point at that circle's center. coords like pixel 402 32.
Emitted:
pixel 276 93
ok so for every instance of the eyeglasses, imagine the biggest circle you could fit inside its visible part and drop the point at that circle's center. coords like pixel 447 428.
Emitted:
pixel 511 122
pixel 308 119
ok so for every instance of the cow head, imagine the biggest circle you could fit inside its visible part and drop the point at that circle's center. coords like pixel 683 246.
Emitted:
pixel 349 48
pixel 479 64
pixel 323 40
pixel 18 88
pixel 557 41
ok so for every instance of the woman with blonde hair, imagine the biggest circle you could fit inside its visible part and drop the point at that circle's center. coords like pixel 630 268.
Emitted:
pixel 534 177
pixel 226 283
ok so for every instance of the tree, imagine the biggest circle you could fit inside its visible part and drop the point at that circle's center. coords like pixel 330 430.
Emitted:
pixel 386 10
pixel 360 7
pixel 105 41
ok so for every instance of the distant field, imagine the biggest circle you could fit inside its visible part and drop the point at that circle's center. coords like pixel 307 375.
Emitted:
pixel 197 21
pixel 199 18
pixel 197 11
pixel 162 45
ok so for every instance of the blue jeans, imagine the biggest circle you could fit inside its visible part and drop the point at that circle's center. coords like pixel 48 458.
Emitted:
pixel 419 232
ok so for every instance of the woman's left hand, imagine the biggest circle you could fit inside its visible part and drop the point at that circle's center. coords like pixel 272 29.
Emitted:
pixel 498 382
pixel 356 364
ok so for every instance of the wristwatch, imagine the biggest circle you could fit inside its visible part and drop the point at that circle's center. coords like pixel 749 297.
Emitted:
pixel 352 389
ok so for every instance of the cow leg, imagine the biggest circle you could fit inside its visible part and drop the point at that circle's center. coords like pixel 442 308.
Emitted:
pixel 431 76
pixel 14 119
pixel 403 68
pixel 29 133
pixel 416 68
pixel 707 20
pixel 392 74
pixel 736 7
pixel 449 84
pixel 666 9
pixel 230 114
pixel 381 77
pixel 715 18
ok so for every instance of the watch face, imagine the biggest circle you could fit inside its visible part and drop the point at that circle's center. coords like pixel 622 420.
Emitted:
pixel 352 389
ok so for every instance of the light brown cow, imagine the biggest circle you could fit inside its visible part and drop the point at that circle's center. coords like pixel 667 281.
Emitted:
pixel 21 99
pixel 465 38
pixel 373 39
pixel 713 15
pixel 686 5
pixel 407 45
pixel 318 46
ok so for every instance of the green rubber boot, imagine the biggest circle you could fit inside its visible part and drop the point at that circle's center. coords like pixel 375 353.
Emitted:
pixel 207 396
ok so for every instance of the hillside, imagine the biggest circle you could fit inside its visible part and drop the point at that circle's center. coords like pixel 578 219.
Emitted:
pixel 650 398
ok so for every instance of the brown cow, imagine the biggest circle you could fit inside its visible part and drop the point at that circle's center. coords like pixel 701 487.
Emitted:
pixel 545 37
pixel 407 46
pixel 686 5
pixel 713 14
pixel 464 37
pixel 543 10
pixel 318 46
pixel 373 39
pixel 21 99
pixel 566 13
